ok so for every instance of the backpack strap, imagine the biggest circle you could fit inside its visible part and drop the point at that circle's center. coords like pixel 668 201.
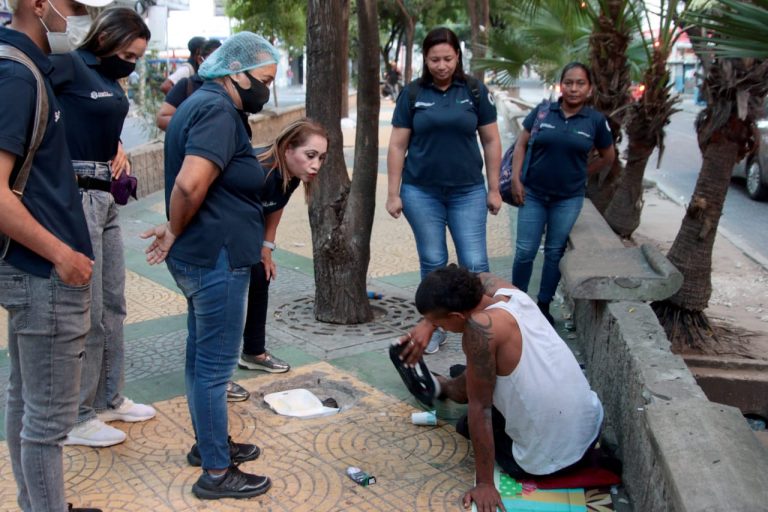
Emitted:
pixel 41 115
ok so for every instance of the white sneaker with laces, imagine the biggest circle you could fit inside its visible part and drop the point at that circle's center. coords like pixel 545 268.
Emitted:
pixel 129 411
pixel 94 432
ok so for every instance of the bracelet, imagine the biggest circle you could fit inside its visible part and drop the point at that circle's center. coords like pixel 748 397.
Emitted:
pixel 269 245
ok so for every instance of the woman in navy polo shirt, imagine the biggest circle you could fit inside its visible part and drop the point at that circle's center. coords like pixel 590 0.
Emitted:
pixel 295 157
pixel 552 192
pixel 212 239
pixel 95 106
pixel 434 166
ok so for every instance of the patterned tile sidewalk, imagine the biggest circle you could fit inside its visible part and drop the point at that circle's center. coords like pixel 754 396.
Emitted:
pixel 418 468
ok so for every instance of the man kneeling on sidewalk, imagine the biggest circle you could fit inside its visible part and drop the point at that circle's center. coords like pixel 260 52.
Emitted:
pixel 530 406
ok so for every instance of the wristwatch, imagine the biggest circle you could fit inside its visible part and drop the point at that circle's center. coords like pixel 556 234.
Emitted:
pixel 269 245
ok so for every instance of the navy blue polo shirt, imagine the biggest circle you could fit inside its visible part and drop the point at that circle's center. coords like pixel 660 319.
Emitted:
pixel 273 196
pixel 94 105
pixel 51 194
pixel 558 164
pixel 443 148
pixel 208 125
pixel 183 89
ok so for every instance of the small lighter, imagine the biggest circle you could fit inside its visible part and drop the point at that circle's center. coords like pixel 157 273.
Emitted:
pixel 360 477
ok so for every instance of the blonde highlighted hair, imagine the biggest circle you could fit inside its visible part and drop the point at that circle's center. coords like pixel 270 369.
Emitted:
pixel 291 136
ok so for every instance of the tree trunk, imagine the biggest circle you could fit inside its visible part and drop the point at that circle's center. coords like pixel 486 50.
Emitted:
pixel 344 48
pixel 339 239
pixel 607 56
pixel 626 205
pixel 410 29
pixel 691 251
pixel 645 124
pixel 479 20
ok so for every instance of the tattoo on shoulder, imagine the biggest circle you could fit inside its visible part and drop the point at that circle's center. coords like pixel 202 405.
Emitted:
pixel 477 337
pixel 491 283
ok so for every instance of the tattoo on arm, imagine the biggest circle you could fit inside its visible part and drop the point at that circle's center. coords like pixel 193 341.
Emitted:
pixel 477 339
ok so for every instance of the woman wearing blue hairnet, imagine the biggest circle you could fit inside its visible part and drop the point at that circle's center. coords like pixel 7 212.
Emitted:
pixel 213 236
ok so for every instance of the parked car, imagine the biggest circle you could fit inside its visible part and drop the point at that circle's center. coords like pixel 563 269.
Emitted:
pixel 754 168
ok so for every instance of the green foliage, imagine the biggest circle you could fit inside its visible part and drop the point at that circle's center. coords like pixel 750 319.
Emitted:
pixel 285 20
pixel 735 28
pixel 546 35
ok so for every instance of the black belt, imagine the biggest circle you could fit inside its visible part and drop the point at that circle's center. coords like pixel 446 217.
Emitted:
pixel 91 183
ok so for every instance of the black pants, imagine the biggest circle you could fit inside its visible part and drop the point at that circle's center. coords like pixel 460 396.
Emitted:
pixel 503 448
pixel 254 334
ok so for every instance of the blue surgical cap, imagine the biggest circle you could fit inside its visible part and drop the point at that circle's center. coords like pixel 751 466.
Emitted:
pixel 241 52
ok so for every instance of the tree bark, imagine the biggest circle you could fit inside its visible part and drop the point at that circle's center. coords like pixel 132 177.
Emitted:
pixel 410 29
pixel 691 251
pixel 344 48
pixel 479 19
pixel 340 215
pixel 607 57
pixel 626 205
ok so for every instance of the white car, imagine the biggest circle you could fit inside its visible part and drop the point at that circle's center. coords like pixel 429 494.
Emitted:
pixel 754 168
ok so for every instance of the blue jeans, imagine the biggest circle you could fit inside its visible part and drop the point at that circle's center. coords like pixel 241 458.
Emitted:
pixel 430 209
pixel 47 324
pixel 101 384
pixel 216 301
pixel 558 215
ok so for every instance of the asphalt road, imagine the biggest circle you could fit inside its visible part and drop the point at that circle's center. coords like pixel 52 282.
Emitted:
pixel 744 220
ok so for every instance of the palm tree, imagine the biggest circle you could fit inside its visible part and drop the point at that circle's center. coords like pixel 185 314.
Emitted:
pixel 729 39
pixel 645 122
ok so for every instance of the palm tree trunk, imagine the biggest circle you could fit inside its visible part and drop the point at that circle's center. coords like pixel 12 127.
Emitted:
pixel 608 60
pixel 626 205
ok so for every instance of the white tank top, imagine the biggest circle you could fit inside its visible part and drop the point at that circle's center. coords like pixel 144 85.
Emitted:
pixel 552 415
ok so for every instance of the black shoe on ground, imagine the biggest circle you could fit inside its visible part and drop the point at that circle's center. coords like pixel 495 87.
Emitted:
pixel 544 308
pixel 81 509
pixel 238 453
pixel 456 370
pixel 234 484
pixel 236 392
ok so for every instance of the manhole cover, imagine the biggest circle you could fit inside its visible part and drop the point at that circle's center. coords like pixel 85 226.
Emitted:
pixel 392 315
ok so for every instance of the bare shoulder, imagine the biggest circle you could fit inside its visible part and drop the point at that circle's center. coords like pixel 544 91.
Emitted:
pixel 492 283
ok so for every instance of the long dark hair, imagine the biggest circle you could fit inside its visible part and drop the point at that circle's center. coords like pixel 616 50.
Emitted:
pixel 113 30
pixel 292 136
pixel 575 65
pixel 441 35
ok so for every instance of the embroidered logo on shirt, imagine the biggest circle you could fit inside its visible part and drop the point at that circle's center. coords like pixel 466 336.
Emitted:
pixel 423 104
pixel 491 99
pixel 462 101
pixel 56 116
pixel 585 134
pixel 546 125
pixel 103 94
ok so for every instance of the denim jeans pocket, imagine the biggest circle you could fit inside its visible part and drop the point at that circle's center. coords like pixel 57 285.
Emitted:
pixel 15 296
pixel 59 283
pixel 188 277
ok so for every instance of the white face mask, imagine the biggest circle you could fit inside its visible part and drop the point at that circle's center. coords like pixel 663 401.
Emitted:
pixel 72 37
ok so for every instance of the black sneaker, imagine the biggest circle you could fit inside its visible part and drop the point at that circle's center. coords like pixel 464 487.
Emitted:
pixel 238 453
pixel 80 509
pixel 544 308
pixel 234 484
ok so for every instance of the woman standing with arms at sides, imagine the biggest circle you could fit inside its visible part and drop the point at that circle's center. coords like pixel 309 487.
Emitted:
pixel 94 107
pixel 552 192
pixel 295 157
pixel 434 165
pixel 213 186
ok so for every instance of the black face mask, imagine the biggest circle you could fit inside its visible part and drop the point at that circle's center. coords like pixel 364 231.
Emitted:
pixel 255 97
pixel 114 67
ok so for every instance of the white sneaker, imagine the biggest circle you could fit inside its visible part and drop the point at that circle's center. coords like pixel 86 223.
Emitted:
pixel 94 433
pixel 438 338
pixel 129 411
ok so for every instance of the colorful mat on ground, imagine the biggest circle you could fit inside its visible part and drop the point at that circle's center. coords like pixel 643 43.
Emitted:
pixel 525 497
